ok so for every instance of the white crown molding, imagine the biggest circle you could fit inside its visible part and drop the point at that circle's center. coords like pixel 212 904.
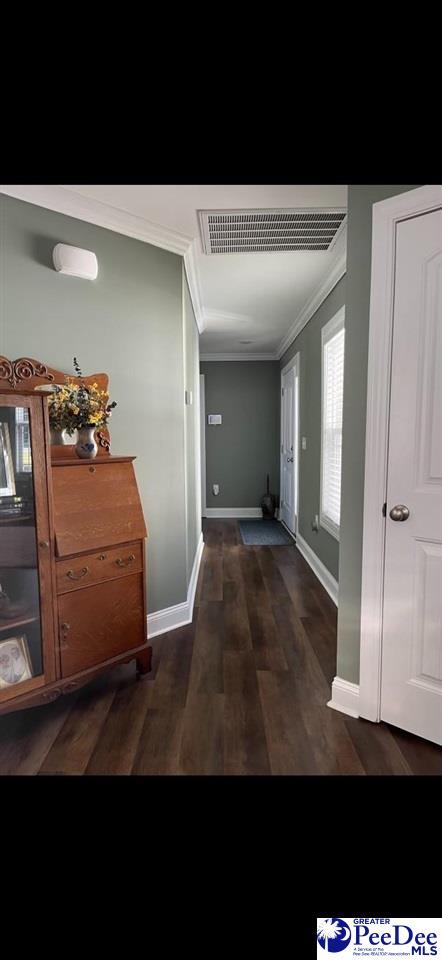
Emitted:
pixel 223 315
pixel 74 204
pixel 192 274
pixel 206 357
pixel 177 616
pixel 332 277
pixel 324 576
pixel 345 697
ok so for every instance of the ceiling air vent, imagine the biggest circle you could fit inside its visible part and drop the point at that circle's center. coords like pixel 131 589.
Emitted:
pixel 269 231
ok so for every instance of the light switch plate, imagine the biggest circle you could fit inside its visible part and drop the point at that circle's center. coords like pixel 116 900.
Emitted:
pixel 189 398
pixel 214 419
pixel 304 443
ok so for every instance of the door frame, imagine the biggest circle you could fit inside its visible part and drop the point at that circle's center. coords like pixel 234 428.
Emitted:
pixel 386 215
pixel 202 425
pixel 294 362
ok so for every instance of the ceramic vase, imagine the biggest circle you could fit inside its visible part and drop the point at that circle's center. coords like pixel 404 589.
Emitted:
pixel 57 437
pixel 86 447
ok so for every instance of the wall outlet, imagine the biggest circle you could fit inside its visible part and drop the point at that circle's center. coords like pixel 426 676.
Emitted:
pixel 214 419
pixel 304 443
pixel 215 489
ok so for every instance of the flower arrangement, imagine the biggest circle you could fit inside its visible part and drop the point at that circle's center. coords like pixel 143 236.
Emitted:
pixel 73 406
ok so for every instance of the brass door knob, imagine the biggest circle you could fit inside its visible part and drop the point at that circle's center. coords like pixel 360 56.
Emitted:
pixel 399 512
pixel 44 544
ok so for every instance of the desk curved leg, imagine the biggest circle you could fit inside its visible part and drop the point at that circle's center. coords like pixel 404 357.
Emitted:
pixel 144 663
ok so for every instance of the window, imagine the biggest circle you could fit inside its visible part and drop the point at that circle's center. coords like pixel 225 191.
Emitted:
pixel 22 441
pixel 333 335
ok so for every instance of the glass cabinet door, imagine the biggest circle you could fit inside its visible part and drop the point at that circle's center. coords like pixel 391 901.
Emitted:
pixel 23 520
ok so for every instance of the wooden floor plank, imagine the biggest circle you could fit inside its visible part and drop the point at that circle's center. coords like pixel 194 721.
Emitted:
pixel 73 747
pixel 288 744
pixel 159 744
pixel 212 585
pixel 26 737
pixel 330 742
pixel 173 671
pixel 230 533
pixel 115 750
pixel 377 748
pixel 202 743
pixel 245 746
pixel 269 654
pixel 318 633
pixel 237 634
pixel 206 671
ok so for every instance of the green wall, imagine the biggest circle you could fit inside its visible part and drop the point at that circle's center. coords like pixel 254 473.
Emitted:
pixel 308 344
pixel 359 234
pixel 128 323
pixel 192 434
pixel 245 448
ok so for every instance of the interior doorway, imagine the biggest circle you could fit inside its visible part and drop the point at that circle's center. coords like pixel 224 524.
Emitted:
pixel 289 484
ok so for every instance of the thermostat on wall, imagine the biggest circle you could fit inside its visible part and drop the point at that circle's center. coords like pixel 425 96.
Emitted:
pixel 214 418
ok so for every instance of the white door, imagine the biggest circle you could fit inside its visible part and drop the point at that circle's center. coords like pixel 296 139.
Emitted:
pixel 411 688
pixel 289 447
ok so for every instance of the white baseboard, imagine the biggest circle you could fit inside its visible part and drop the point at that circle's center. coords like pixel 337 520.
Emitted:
pixel 172 617
pixel 345 697
pixel 242 513
pixel 290 532
pixel 324 576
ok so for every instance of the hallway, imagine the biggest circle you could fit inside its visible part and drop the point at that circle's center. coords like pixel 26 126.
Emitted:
pixel 240 691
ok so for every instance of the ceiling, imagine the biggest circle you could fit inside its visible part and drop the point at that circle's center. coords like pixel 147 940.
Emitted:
pixel 246 296
pixel 261 298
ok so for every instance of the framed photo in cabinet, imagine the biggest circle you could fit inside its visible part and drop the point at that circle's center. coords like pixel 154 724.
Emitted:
pixel 15 662
pixel 7 479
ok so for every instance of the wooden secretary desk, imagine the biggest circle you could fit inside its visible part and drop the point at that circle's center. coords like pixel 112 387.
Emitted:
pixel 72 551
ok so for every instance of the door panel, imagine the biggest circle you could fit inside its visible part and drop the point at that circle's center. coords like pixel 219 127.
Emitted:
pixel 94 506
pixel 27 658
pixel 411 690
pixel 108 620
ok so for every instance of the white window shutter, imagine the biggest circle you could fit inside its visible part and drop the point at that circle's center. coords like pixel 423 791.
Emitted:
pixel 333 336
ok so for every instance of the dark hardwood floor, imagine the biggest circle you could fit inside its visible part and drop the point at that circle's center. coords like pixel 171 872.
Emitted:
pixel 242 690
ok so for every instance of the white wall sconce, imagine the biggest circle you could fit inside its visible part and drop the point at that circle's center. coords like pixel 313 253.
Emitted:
pixel 75 262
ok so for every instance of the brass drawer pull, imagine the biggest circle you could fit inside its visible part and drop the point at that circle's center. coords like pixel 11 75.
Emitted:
pixel 77 576
pixel 124 563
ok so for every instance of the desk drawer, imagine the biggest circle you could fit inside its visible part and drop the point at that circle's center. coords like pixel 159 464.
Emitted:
pixel 96 567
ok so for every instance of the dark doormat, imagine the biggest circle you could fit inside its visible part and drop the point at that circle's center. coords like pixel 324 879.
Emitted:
pixel 264 533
